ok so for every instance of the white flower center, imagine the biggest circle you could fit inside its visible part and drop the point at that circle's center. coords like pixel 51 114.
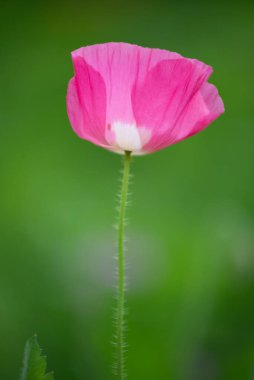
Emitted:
pixel 127 136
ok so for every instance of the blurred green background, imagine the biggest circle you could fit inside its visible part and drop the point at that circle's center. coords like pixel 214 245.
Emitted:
pixel 190 256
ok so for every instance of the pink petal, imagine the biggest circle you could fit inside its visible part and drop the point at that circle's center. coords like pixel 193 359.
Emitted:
pixel 121 65
pixel 86 103
pixel 204 107
pixel 159 101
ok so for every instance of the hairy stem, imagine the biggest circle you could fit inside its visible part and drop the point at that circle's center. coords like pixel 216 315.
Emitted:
pixel 121 374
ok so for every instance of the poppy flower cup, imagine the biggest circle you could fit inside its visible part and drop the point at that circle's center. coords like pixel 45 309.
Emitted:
pixel 129 98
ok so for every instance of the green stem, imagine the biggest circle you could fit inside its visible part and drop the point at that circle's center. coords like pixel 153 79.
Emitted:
pixel 121 270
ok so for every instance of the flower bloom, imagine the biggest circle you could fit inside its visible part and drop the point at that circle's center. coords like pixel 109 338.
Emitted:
pixel 128 98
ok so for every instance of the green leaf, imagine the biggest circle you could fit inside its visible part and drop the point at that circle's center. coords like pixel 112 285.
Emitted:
pixel 34 364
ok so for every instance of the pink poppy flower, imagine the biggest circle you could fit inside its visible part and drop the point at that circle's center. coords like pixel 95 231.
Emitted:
pixel 129 98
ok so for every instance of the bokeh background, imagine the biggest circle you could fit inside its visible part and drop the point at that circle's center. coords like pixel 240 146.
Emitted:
pixel 190 256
